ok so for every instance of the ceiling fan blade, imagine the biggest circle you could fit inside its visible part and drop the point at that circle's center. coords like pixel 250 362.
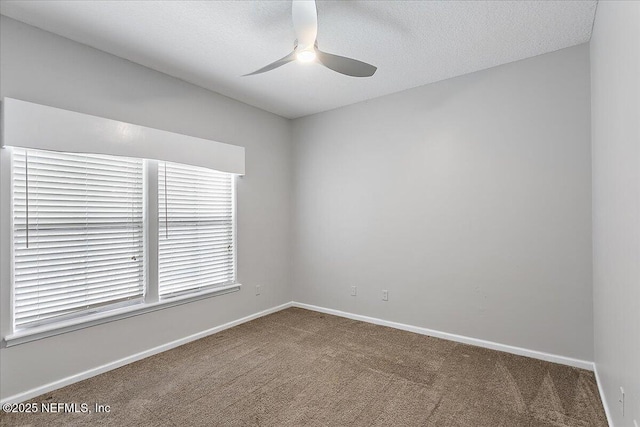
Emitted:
pixel 305 22
pixel 279 63
pixel 347 66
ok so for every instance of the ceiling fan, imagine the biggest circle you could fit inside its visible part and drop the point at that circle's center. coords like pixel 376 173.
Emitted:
pixel 305 48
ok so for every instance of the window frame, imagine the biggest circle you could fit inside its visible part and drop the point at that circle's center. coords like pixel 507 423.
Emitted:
pixel 151 301
pixel 160 209
pixel 52 165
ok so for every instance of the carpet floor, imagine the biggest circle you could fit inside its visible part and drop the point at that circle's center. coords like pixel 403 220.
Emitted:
pixel 301 368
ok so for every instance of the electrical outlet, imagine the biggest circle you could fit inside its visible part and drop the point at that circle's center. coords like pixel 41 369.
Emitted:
pixel 621 401
pixel 385 295
pixel 354 291
pixel 257 289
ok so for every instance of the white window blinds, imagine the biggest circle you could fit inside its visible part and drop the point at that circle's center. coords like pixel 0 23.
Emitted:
pixel 196 229
pixel 78 225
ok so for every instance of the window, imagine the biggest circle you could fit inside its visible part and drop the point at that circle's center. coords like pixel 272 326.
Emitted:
pixel 80 223
pixel 89 232
pixel 77 230
pixel 196 239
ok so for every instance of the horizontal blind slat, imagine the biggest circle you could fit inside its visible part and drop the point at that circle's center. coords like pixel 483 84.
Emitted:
pixel 61 298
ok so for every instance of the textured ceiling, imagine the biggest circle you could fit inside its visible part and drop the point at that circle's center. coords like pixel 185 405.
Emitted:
pixel 212 43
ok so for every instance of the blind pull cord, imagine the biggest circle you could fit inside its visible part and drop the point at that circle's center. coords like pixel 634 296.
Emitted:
pixel 133 228
pixel 166 209
pixel 26 193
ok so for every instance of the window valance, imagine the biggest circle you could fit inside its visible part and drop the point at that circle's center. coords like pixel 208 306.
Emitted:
pixel 30 125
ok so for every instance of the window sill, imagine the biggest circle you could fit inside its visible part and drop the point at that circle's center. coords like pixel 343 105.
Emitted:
pixel 62 327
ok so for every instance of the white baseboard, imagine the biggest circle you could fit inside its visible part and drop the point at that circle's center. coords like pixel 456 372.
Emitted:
pixel 29 394
pixel 583 364
pixel 20 397
pixel 602 395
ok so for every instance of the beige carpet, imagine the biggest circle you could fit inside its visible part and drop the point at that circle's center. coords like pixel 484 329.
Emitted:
pixel 299 368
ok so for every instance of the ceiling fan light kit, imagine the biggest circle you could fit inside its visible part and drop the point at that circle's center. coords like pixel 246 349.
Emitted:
pixel 305 24
pixel 306 55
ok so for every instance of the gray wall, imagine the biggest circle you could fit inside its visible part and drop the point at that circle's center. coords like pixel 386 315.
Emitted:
pixel 40 67
pixel 615 120
pixel 468 199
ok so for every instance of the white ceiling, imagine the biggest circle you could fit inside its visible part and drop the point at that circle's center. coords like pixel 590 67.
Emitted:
pixel 213 43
